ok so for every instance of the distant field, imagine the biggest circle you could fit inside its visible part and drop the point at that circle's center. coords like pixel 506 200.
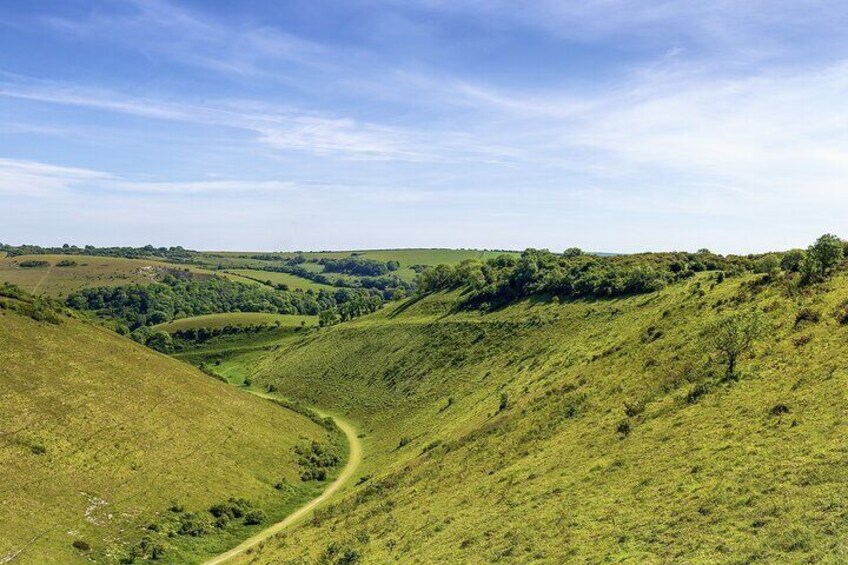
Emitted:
pixel 236 319
pixel 84 271
pixel 89 271
pixel 292 281
pixel 406 257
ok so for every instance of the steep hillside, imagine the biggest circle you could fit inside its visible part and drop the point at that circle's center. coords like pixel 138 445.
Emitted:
pixel 584 431
pixel 109 450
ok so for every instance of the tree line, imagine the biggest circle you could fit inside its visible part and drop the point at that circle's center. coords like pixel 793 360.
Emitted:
pixel 138 305
pixel 174 253
pixel 574 274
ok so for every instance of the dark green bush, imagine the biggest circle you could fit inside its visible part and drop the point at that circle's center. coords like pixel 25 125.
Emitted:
pixel 697 392
pixel 807 315
pixel 193 524
pixel 254 517
pixel 504 402
pixel 81 545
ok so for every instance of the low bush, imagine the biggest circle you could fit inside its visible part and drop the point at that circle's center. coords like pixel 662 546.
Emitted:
pixel 254 517
pixel 633 408
pixel 33 264
pixel 81 545
pixel 193 524
pixel 807 315
pixel 315 460
pixel 697 392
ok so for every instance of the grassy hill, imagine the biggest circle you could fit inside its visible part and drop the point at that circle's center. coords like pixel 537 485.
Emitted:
pixel 291 281
pixel 407 258
pixel 108 448
pixel 584 431
pixel 236 319
pixel 59 275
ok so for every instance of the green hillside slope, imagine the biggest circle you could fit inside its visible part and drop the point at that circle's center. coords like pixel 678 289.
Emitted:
pixel 59 275
pixel 108 449
pixel 585 431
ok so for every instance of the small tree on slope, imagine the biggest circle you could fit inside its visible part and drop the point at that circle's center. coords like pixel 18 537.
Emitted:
pixel 734 334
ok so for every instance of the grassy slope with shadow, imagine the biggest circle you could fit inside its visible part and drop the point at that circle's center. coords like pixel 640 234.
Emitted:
pixel 745 471
pixel 99 437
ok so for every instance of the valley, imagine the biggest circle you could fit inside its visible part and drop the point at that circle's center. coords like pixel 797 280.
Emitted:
pixel 499 417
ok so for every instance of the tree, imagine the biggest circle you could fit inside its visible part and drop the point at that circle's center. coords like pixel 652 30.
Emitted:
pixel 823 256
pixel 792 260
pixel 734 334
pixel 160 341
pixel 768 265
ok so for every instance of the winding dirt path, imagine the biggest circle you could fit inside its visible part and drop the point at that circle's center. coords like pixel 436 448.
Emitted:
pixel 353 461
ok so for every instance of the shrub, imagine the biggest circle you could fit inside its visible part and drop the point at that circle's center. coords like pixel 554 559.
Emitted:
pixel 652 333
pixel 254 517
pixel 842 314
pixel 232 508
pixel 193 524
pixel 769 265
pixel 339 554
pixel 33 264
pixel 623 428
pixel 316 459
pixel 405 440
pixel 697 391
pixel 81 545
pixel 802 340
pixel 779 409
pixel 66 263
pixel 504 403
pixel 807 315
pixel 633 408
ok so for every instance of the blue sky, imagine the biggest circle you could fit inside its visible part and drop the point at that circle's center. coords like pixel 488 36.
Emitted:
pixel 607 124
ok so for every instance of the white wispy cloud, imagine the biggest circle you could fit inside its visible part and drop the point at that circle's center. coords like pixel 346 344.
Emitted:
pixel 279 128
pixel 166 29
pixel 44 180
pixel 34 179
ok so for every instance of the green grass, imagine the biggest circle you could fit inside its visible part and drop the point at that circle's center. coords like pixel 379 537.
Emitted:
pixel 406 257
pixel 236 319
pixel 755 470
pixel 99 436
pixel 88 271
pixel 292 281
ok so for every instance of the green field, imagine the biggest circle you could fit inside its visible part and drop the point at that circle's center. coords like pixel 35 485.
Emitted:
pixel 704 471
pixel 292 281
pixel 86 271
pixel 237 319
pixel 236 261
pixel 100 437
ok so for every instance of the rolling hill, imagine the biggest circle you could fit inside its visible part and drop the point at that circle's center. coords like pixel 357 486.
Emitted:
pixel 583 431
pixel 59 275
pixel 112 452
